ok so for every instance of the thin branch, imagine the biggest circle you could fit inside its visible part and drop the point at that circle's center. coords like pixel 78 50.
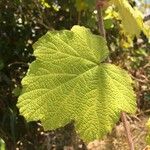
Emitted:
pixel 42 17
pixel 18 63
pixel 79 17
pixel 127 129
pixel 44 25
pixel 101 27
pixel 146 18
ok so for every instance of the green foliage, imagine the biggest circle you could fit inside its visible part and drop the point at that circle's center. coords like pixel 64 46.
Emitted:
pixel 16 91
pixel 132 18
pixel 22 22
pixel 2 144
pixel 44 3
pixel 85 4
pixel 69 81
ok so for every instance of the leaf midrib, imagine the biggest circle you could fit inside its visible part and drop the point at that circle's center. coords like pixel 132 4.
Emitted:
pixel 64 82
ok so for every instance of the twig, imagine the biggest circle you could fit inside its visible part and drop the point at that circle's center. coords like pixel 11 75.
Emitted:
pixel 127 129
pixel 18 63
pixel 79 17
pixel 101 28
pixel 146 18
pixel 143 112
pixel 42 17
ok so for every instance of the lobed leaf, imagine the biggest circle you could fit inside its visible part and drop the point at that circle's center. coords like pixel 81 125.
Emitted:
pixel 69 81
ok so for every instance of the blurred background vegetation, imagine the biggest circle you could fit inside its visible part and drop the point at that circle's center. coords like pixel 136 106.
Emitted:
pixel 22 22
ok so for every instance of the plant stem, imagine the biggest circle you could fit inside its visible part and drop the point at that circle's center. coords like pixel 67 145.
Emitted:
pixel 101 27
pixel 102 32
pixel 146 18
pixel 79 17
pixel 127 129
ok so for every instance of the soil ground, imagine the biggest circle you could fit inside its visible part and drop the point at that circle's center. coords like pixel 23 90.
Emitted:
pixel 117 139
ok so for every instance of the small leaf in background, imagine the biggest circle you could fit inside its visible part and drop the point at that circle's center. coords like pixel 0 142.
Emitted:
pixel 2 144
pixel 45 4
pixel 80 5
pixel 147 96
pixel 141 52
pixel 132 18
pixel 84 4
pixel 108 23
pixel 110 14
pixel 16 91
pixel 69 81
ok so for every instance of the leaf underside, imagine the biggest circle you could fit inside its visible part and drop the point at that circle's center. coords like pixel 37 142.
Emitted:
pixel 132 18
pixel 68 81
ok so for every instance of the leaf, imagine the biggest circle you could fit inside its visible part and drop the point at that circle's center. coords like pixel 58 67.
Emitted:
pixel 132 19
pixel 108 23
pixel 2 144
pixel 16 91
pixel 84 4
pixel 68 81
pixel 45 4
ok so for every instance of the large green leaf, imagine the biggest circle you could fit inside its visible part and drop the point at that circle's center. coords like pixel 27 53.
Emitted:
pixel 68 81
